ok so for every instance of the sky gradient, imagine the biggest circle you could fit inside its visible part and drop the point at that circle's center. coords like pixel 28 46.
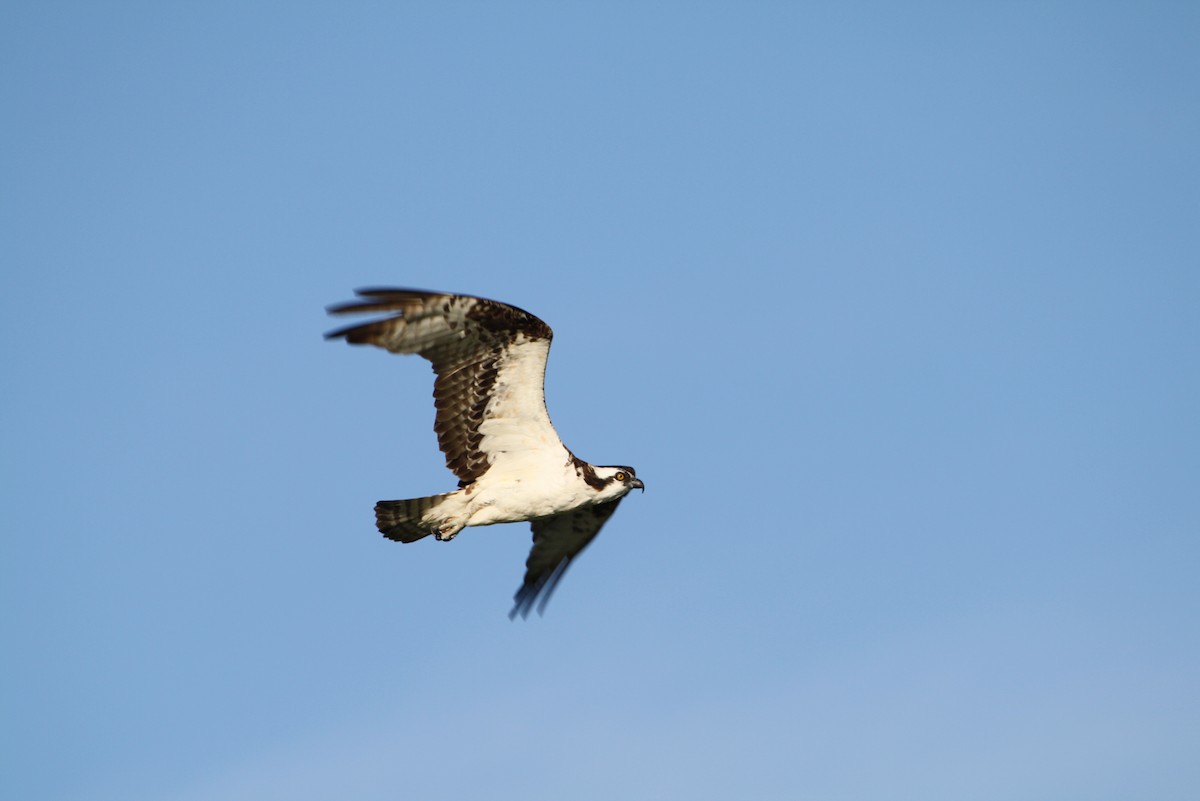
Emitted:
pixel 893 307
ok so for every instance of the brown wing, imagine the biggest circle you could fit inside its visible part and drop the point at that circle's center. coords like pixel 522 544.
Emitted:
pixel 556 541
pixel 468 340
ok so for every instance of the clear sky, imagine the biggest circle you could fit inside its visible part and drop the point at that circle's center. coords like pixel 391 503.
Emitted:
pixel 895 308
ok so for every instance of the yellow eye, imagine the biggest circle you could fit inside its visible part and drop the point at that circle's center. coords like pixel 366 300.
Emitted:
pixel 620 475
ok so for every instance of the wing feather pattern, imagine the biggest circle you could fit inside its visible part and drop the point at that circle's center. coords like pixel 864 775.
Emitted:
pixel 557 541
pixel 470 341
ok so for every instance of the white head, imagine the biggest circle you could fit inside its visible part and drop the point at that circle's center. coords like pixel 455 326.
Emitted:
pixel 615 481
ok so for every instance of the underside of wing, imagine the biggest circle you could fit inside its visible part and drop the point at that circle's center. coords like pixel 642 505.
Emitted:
pixel 490 361
pixel 556 542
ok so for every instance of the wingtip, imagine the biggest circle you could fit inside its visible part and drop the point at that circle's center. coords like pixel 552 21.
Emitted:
pixel 345 332
pixel 520 608
pixel 391 291
pixel 375 293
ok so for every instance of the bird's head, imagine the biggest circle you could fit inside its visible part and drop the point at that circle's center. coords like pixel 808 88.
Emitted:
pixel 618 481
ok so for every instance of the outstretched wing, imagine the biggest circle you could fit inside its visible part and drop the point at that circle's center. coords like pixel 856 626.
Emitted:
pixel 556 541
pixel 490 361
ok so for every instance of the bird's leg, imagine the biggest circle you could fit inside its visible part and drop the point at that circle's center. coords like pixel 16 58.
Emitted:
pixel 447 531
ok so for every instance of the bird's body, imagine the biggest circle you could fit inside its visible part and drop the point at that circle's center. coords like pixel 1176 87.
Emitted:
pixel 492 425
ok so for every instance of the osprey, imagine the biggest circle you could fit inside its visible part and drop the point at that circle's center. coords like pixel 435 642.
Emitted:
pixel 493 427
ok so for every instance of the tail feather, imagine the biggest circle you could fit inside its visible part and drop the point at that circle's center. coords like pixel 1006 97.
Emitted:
pixel 401 520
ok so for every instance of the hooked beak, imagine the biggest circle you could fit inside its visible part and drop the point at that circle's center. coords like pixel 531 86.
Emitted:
pixel 637 482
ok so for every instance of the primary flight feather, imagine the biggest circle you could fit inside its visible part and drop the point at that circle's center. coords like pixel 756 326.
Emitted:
pixel 493 427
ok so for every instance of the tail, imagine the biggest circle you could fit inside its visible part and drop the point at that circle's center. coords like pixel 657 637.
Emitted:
pixel 401 520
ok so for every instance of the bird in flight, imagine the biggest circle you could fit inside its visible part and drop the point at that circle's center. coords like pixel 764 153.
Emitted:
pixel 493 427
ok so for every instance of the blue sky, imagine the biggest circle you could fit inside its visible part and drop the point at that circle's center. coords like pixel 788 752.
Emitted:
pixel 893 307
